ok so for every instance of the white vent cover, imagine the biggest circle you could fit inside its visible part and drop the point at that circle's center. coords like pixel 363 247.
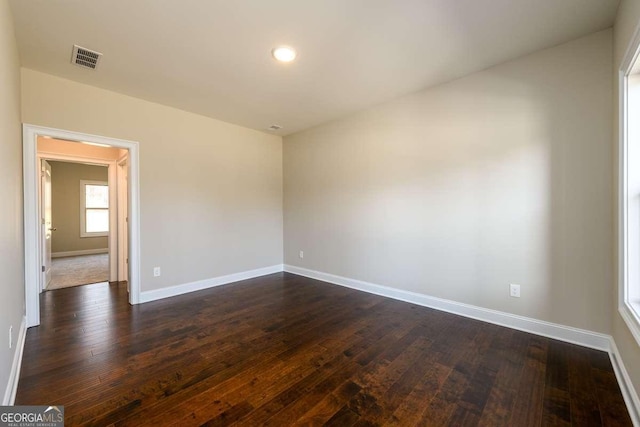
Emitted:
pixel 84 57
pixel 275 127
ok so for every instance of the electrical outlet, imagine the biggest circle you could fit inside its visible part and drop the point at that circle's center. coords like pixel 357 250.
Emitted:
pixel 301 254
pixel 156 271
pixel 514 290
pixel 10 336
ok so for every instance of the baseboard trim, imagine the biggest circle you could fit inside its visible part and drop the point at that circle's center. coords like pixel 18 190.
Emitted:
pixel 78 253
pixel 539 327
pixel 569 334
pixel 156 294
pixel 626 386
pixel 14 374
pixel 551 330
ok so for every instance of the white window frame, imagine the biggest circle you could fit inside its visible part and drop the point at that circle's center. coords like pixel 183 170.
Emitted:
pixel 83 208
pixel 628 261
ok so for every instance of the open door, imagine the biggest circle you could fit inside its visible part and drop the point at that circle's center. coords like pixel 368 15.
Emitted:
pixel 123 221
pixel 47 228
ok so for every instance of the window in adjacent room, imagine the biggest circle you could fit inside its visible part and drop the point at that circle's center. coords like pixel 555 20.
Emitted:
pixel 629 188
pixel 94 209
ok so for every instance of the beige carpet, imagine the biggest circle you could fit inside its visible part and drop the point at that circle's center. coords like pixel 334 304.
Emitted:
pixel 78 270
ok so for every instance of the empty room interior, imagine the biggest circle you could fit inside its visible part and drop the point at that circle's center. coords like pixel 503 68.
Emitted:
pixel 351 213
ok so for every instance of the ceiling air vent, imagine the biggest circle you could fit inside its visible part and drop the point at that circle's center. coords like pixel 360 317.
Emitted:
pixel 85 58
pixel 275 127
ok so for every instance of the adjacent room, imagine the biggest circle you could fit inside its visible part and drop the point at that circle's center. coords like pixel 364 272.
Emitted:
pixel 412 212
pixel 80 203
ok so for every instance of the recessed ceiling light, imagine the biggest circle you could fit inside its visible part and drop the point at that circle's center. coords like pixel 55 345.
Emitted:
pixel 95 144
pixel 284 53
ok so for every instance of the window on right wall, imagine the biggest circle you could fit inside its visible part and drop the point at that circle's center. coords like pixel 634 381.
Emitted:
pixel 629 188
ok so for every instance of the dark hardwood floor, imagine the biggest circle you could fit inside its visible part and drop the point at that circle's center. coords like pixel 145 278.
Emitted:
pixel 286 350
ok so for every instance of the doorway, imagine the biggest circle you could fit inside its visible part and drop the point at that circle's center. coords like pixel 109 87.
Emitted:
pixel 40 230
pixel 76 211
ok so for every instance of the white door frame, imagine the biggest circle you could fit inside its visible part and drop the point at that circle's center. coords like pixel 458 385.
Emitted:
pixel 31 176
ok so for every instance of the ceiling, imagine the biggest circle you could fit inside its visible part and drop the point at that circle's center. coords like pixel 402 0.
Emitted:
pixel 212 57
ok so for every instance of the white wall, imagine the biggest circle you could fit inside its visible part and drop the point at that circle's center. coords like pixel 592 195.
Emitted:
pixel 210 192
pixel 11 236
pixel 500 177
pixel 627 20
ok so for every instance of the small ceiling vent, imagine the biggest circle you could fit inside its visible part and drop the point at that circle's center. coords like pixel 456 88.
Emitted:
pixel 86 58
pixel 275 127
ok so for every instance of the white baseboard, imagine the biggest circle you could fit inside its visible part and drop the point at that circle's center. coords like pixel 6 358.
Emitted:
pixel 551 330
pixel 539 327
pixel 569 334
pixel 78 253
pixel 626 386
pixel 156 294
pixel 14 374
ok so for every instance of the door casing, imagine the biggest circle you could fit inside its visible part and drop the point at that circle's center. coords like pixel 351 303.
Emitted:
pixel 32 219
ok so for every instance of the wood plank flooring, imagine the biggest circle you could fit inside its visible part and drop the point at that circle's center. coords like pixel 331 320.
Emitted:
pixel 286 350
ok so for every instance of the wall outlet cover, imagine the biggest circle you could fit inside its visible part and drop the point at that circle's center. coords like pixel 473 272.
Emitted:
pixel 514 290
